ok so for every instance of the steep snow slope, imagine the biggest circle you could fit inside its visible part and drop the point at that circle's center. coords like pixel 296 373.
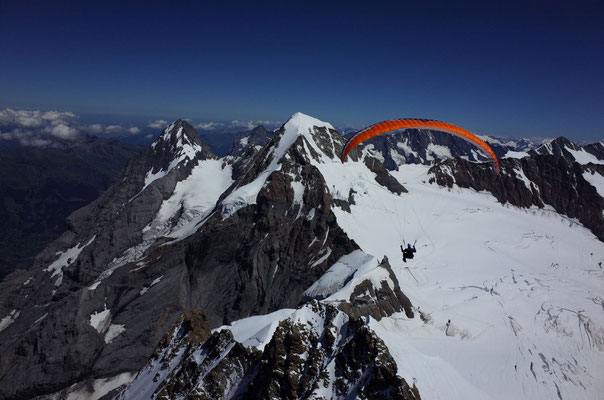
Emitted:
pixel 522 288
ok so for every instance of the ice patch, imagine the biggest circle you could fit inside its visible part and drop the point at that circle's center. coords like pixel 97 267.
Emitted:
pixel 9 319
pixel 583 157
pixel 100 387
pixel 404 146
pixel 146 288
pixel 435 151
pixel 515 154
pixel 339 273
pixel 113 332
pixel 596 180
pixel 322 259
pixel 65 258
pixel 100 320
pixel 257 330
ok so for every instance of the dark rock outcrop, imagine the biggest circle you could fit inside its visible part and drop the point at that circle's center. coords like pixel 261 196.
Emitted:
pixel 538 180
pixel 419 146
pixel 378 302
pixel 319 351
pixel 383 177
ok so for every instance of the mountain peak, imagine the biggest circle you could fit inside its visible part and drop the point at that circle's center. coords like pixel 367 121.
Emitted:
pixel 304 122
pixel 178 143
pixel 179 133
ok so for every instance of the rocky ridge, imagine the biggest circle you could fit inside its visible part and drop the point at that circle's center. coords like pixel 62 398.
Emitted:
pixel 316 352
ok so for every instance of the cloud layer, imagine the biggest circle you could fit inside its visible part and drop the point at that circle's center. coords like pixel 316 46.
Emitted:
pixel 51 128
pixel 42 129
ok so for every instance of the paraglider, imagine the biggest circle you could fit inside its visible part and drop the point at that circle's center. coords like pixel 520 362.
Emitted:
pixel 408 123
pixel 408 252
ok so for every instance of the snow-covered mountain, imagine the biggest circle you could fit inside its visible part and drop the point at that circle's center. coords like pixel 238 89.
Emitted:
pixel 254 140
pixel 592 153
pixel 278 274
pixel 421 146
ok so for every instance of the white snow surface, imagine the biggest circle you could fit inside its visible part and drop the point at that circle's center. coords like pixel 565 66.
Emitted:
pixel 100 320
pixel 545 307
pixel 596 180
pixel 515 154
pixel 437 151
pixel 65 258
pixel 114 331
pixel 100 387
pixel 195 196
pixel 257 331
pixel 9 319
pixel 583 157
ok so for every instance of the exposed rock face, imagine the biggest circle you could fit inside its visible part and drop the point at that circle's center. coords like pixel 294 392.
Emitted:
pixel 562 147
pixel 383 177
pixel 424 147
pixel 415 146
pixel 319 352
pixel 597 149
pixel 533 181
pixel 378 302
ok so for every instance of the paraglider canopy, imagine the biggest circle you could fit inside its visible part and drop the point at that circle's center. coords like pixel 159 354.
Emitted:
pixel 408 123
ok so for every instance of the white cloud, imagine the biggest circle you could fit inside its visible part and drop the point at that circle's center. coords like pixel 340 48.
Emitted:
pixel 26 138
pixel 32 118
pixel 251 124
pixel 114 129
pixel 42 129
pixel 208 126
pixel 95 129
pixel 158 124
pixel 62 131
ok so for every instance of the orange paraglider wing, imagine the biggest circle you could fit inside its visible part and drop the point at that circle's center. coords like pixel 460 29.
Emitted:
pixel 408 123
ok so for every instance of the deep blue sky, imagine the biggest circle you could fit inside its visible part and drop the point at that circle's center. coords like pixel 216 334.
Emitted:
pixel 506 68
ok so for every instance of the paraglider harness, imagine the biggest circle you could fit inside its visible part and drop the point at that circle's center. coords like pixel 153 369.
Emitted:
pixel 408 252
